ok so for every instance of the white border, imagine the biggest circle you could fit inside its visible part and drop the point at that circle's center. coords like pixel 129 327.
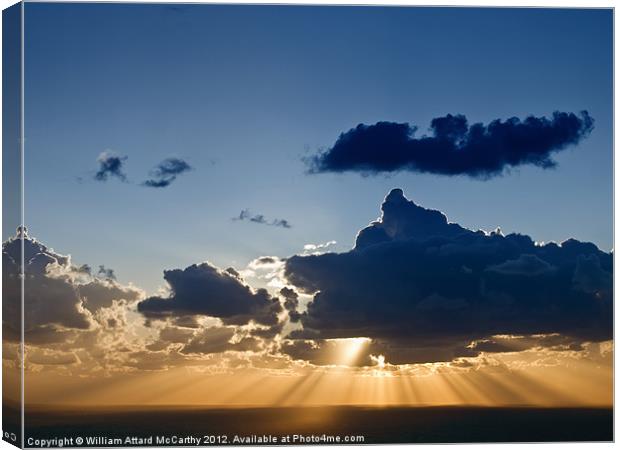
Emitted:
pixel 442 3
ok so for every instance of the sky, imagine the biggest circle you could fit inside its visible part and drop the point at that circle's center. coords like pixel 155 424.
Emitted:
pixel 243 93
pixel 294 195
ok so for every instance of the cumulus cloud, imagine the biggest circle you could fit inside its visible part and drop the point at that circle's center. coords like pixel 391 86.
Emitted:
pixel 202 289
pixel 110 165
pixel 261 219
pixel 454 147
pixel 423 289
pixel 48 301
pixel 99 294
pixel 60 299
pixel 166 172
pixel 83 321
pixel 418 289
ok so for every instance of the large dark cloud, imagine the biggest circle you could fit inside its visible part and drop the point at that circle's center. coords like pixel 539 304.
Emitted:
pixel 202 289
pixel 424 288
pixel 166 172
pixel 48 301
pixel 110 165
pixel 60 299
pixel 453 146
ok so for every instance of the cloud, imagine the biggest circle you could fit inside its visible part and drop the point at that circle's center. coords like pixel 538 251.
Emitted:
pixel 291 303
pixel 42 357
pixel 366 352
pixel 412 306
pixel 454 147
pixel 524 265
pixel 219 340
pixel 316 249
pixel 110 165
pixel 166 172
pixel 106 273
pixel 265 262
pixel 202 289
pixel 81 320
pixel 507 344
pixel 423 289
pixel 60 299
pixel 48 301
pixel 101 294
pixel 259 218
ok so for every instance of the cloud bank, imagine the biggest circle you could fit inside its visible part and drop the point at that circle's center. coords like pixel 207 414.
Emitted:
pixel 414 289
pixel 423 289
pixel 454 147
pixel 60 299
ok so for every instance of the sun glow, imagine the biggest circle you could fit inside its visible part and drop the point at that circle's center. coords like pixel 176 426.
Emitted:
pixel 349 349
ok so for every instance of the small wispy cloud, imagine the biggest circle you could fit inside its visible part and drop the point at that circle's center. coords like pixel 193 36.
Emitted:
pixel 261 219
pixel 106 273
pixel 166 172
pixel 318 249
pixel 110 165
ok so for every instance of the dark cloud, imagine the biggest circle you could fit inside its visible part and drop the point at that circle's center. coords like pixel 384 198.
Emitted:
pixel 110 165
pixel 259 218
pixel 330 351
pixel 101 294
pixel 202 289
pixel 266 260
pixel 106 273
pixel 60 299
pixel 291 303
pixel 423 289
pixel 503 344
pixel 166 172
pixel 84 269
pixel 280 223
pixel 453 146
pixel 48 301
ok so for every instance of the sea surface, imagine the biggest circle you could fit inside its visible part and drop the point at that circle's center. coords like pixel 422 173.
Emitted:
pixel 193 426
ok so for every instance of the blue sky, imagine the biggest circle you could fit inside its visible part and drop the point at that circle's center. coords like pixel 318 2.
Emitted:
pixel 244 92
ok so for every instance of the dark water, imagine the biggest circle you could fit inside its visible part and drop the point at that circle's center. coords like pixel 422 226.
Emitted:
pixel 376 425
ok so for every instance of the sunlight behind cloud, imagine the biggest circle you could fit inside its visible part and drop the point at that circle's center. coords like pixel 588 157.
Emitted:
pixel 350 349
